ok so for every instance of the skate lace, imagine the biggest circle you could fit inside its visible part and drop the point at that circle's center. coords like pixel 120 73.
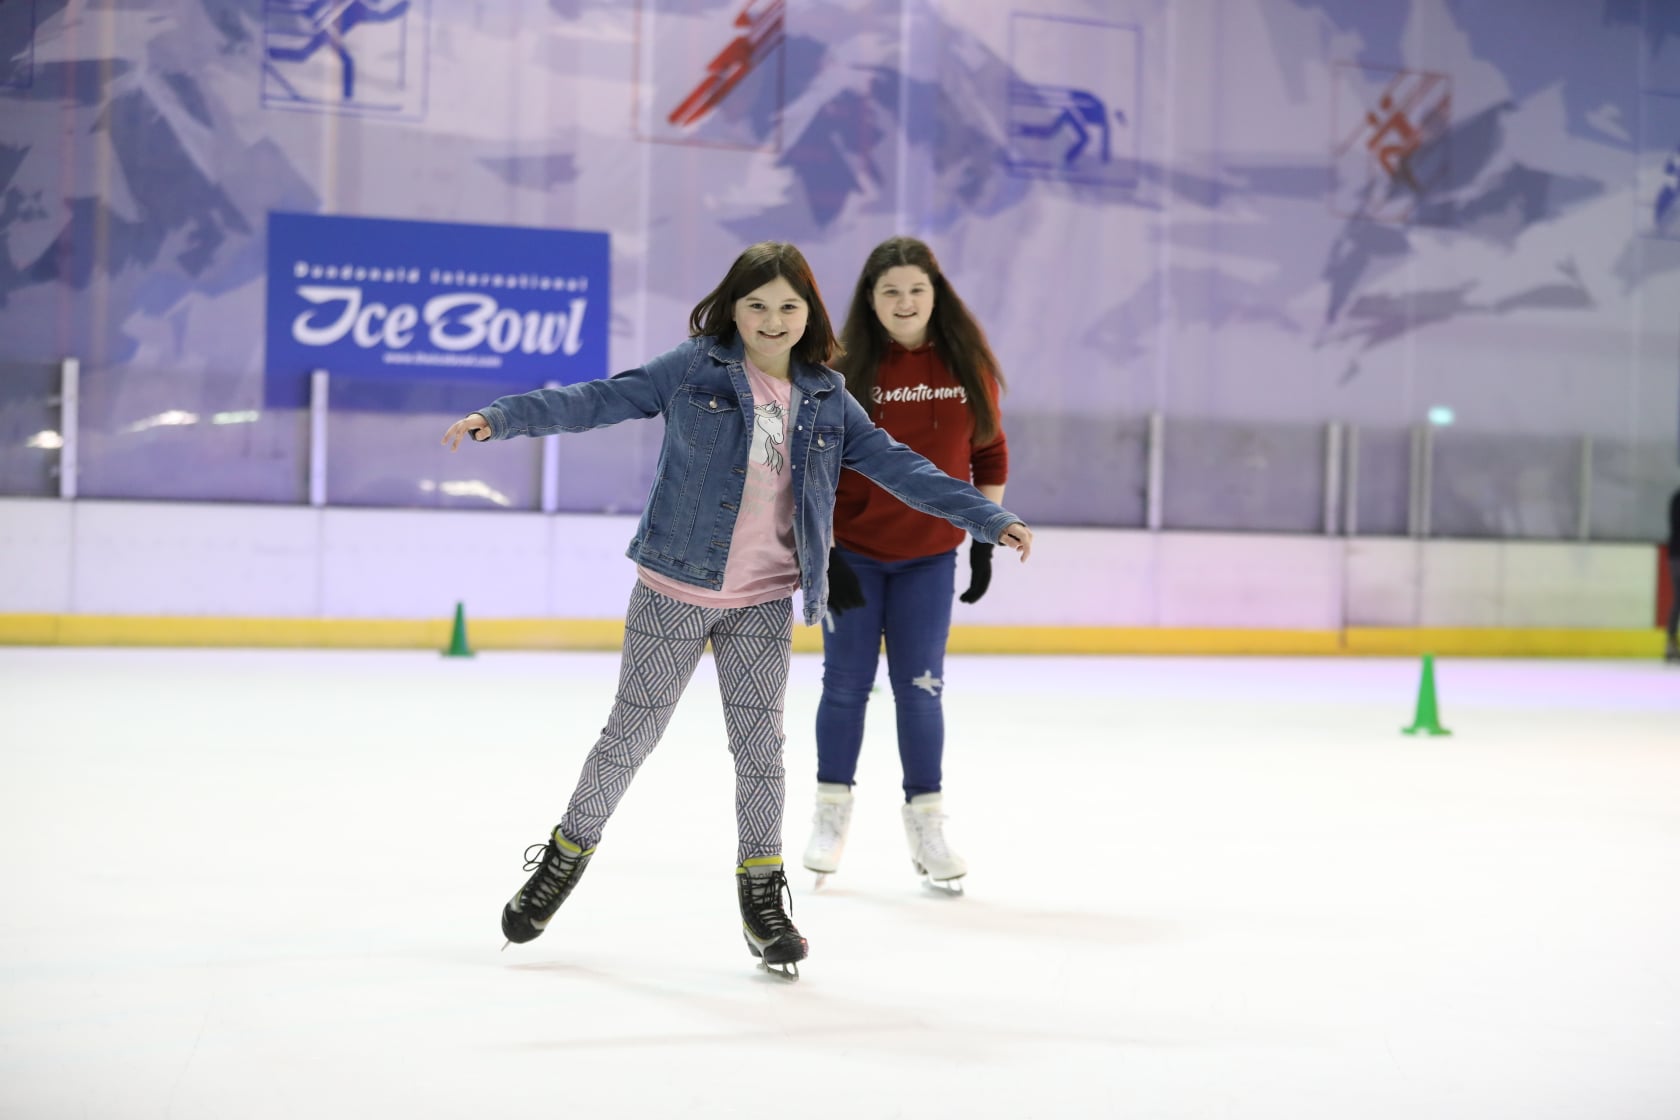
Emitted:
pixel 764 898
pixel 555 872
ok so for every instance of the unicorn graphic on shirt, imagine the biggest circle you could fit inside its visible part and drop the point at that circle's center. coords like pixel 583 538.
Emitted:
pixel 769 436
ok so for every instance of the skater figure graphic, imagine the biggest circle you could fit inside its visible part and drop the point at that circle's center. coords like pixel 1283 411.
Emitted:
pixel 714 569
pixel 297 33
pixel 913 350
pixel 761 33
pixel 1665 211
pixel 1393 140
pixel 1079 112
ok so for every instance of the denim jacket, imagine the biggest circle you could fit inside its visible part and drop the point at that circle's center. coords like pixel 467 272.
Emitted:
pixel 701 390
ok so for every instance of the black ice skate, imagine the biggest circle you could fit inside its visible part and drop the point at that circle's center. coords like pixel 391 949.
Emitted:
pixel 769 931
pixel 555 871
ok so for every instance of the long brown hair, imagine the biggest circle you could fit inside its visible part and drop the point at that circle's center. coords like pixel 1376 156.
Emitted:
pixel 757 266
pixel 956 337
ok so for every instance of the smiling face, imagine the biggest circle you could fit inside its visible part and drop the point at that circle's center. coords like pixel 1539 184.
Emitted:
pixel 903 300
pixel 771 319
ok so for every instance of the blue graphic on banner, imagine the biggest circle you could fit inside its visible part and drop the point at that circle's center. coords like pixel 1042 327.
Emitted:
pixel 17 44
pixel 1072 101
pixel 1658 190
pixel 389 303
pixel 366 56
pixel 1079 112
pixel 1665 213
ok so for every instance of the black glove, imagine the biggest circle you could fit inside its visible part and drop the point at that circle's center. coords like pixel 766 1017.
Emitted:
pixel 844 591
pixel 980 572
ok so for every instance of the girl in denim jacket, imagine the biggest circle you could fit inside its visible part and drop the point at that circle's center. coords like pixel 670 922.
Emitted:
pixel 757 429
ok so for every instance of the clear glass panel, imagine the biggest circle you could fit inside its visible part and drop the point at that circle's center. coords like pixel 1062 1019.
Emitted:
pixel 187 435
pixel 1511 487
pixel 1234 477
pixel 384 448
pixel 191 435
pixel 29 435
pixel 1382 481
pixel 1077 470
pixel 610 470
pixel 1631 488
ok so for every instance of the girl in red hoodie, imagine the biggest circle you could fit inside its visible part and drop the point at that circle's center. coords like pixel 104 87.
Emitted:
pixel 918 362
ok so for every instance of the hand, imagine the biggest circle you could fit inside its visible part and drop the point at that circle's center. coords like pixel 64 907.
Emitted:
pixel 844 591
pixel 979 571
pixel 473 424
pixel 1018 537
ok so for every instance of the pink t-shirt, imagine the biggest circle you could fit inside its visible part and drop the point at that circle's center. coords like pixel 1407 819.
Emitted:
pixel 762 565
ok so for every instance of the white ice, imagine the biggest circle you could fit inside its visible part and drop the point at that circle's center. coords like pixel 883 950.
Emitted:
pixel 262 884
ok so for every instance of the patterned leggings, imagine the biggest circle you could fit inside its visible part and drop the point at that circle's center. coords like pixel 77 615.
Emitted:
pixel 663 641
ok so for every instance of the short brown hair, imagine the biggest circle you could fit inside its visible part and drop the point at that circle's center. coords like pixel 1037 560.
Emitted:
pixel 757 266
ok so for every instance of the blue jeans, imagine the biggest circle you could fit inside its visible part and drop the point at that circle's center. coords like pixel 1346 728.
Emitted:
pixel 907 602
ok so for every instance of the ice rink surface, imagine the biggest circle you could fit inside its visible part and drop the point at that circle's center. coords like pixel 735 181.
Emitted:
pixel 250 884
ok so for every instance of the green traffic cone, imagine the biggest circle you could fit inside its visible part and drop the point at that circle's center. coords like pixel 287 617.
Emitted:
pixel 1428 718
pixel 458 640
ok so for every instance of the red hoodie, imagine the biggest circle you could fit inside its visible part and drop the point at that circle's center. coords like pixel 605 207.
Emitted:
pixel 921 404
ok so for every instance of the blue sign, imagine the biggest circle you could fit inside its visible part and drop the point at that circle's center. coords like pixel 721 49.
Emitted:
pixel 396 302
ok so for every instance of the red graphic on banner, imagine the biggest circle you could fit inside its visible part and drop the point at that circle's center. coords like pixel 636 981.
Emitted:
pixel 1393 140
pixel 761 34
pixel 1387 149
pixel 1394 137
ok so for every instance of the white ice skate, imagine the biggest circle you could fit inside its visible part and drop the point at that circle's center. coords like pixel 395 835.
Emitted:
pixel 924 827
pixel 829 824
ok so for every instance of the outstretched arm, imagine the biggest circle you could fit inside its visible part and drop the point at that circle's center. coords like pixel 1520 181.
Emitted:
pixel 474 427
pixel 1018 537
pixel 633 394
pixel 916 482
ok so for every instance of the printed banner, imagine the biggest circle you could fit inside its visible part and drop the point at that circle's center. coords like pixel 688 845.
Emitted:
pixel 397 301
